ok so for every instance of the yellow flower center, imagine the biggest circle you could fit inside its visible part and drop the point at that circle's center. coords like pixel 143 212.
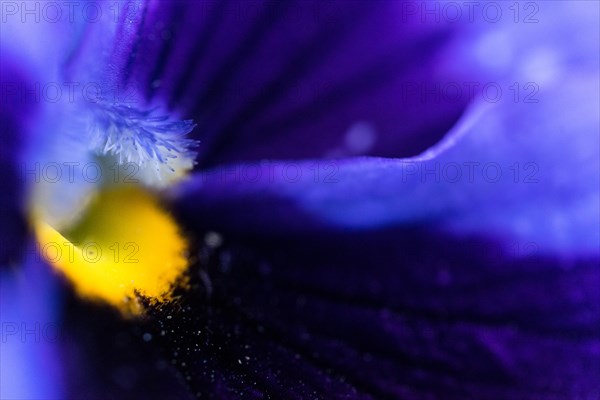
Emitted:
pixel 124 245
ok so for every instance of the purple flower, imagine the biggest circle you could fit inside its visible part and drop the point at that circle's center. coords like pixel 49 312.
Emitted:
pixel 342 199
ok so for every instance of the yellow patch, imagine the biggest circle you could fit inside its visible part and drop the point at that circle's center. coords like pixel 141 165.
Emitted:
pixel 123 245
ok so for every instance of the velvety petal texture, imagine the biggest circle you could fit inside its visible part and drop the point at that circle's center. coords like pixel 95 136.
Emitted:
pixel 106 357
pixel 395 313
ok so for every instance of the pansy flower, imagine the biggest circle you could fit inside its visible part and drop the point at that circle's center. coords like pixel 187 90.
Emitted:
pixel 300 199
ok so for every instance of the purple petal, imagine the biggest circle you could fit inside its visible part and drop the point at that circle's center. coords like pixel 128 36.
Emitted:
pixel 389 314
pixel 32 48
pixel 30 352
pixel 106 357
pixel 381 278
pixel 518 171
pixel 262 79
pixel 16 114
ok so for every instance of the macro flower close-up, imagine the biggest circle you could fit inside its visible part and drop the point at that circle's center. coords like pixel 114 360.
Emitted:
pixel 299 199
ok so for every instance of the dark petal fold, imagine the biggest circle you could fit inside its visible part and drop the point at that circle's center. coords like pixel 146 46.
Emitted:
pixel 396 313
pixel 263 79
